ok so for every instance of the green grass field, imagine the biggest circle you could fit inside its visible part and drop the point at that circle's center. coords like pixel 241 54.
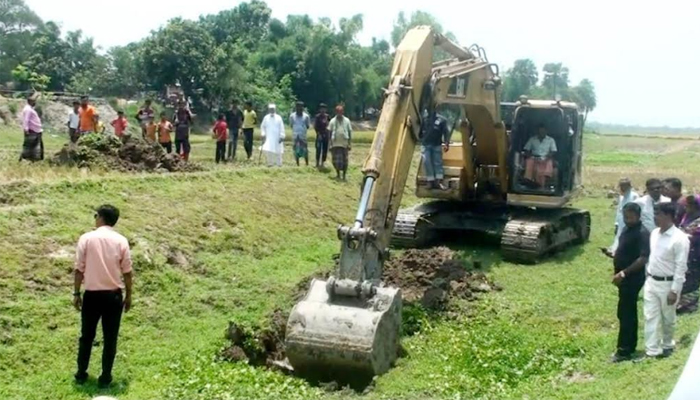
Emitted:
pixel 250 234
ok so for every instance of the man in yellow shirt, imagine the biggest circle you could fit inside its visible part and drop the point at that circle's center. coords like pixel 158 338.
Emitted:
pixel 88 116
pixel 250 119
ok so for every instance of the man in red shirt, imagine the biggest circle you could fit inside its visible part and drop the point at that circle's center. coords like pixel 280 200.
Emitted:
pixel 220 134
pixel 120 124
pixel 102 260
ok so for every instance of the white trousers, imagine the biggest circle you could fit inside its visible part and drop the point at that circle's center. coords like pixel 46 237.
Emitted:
pixel 659 317
pixel 273 159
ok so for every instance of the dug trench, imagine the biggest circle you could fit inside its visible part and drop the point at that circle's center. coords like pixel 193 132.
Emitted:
pixel 430 280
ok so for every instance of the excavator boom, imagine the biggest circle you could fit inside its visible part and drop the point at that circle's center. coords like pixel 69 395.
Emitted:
pixel 352 321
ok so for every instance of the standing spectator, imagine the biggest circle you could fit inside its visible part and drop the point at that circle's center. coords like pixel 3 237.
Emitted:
pixel 649 201
pixel 627 195
pixel 341 137
pixel 33 146
pixel 89 118
pixel 272 128
pixel 629 261
pixel 102 259
pixel 182 121
pixel 120 124
pixel 435 138
pixel 673 189
pixel 300 123
pixel 321 122
pixel 151 131
pixel 164 130
pixel 74 122
pixel 250 119
pixel 665 276
pixel 220 129
pixel 145 116
pixel 690 224
pixel 234 119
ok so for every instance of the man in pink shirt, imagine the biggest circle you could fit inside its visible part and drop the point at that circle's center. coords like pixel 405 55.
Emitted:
pixel 102 259
pixel 33 147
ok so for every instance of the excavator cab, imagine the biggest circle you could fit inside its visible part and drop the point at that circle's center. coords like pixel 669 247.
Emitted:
pixel 536 179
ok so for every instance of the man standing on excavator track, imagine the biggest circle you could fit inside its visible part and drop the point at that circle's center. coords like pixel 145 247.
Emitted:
pixel 435 137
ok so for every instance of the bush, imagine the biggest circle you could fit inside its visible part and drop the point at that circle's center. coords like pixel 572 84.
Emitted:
pixel 13 107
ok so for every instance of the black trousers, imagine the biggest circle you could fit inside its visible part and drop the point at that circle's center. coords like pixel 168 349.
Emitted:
pixel 168 146
pixel 628 293
pixel 321 148
pixel 220 151
pixel 182 146
pixel 233 143
pixel 248 141
pixel 105 305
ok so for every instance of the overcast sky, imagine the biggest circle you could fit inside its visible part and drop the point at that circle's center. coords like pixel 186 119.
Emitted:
pixel 643 59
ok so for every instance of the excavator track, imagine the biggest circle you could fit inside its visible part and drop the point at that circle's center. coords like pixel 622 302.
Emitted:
pixel 528 238
pixel 410 230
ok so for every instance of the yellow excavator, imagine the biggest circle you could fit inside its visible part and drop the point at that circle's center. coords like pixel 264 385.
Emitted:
pixel 349 324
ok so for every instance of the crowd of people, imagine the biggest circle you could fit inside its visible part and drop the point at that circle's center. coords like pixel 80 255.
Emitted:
pixel 333 134
pixel 656 248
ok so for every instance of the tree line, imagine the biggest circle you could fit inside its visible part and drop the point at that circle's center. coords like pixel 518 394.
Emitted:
pixel 241 53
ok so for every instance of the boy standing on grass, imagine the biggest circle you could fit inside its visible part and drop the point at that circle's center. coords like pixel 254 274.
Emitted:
pixel 220 133
pixel 151 129
pixel 119 124
pixel 164 129
pixel 74 122
pixel 182 120
pixel 250 119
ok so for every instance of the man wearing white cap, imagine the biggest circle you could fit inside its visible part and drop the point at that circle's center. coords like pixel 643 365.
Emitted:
pixel 272 128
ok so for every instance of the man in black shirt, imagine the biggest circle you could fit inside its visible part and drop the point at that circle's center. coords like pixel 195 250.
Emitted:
pixel 234 119
pixel 629 260
pixel 435 138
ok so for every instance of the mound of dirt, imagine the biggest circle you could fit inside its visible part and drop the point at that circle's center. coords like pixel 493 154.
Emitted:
pixel 429 277
pixel 434 276
pixel 131 154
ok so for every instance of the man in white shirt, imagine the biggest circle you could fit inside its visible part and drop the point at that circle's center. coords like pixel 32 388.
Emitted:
pixel 74 122
pixel 651 199
pixel 627 195
pixel 539 157
pixel 665 276
pixel 272 130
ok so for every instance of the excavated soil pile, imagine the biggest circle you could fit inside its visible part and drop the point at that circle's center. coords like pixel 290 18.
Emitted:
pixel 434 276
pixel 427 277
pixel 131 154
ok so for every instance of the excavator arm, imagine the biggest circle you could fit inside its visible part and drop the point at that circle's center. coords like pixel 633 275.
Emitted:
pixel 351 321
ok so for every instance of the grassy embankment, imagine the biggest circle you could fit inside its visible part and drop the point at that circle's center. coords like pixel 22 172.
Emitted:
pixel 250 234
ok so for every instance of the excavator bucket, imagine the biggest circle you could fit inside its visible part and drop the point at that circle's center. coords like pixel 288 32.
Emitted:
pixel 334 335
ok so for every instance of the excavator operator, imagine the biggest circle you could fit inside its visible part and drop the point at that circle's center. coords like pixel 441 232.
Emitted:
pixel 539 157
pixel 435 138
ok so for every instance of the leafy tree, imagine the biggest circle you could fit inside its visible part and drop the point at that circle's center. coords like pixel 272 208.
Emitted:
pixel 16 16
pixel 27 79
pixel 418 18
pixel 584 95
pixel 520 79
pixel 181 52
pixel 555 79
pixel 17 22
pixel 247 23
